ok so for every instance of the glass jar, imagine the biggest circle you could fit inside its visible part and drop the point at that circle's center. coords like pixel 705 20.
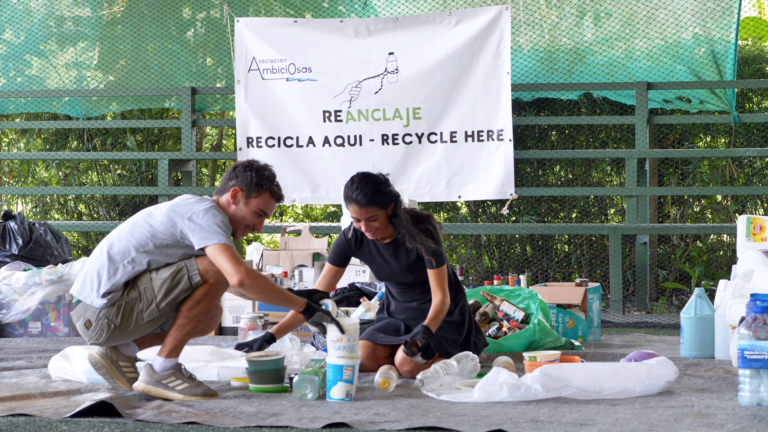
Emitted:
pixel 249 322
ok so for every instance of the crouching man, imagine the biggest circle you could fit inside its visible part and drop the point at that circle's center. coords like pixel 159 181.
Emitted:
pixel 158 277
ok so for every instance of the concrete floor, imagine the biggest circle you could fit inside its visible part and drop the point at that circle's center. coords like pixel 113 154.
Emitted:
pixel 703 399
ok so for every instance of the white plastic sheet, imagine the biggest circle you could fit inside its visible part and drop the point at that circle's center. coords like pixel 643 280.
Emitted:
pixel 570 380
pixel 72 364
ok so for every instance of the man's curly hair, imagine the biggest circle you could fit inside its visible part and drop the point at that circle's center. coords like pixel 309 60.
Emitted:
pixel 253 178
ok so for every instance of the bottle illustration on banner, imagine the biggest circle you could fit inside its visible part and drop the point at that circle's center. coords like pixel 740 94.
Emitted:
pixel 352 91
pixel 391 68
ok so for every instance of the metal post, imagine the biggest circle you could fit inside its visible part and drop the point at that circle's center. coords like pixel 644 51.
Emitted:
pixel 188 168
pixel 615 265
pixel 164 178
pixel 642 262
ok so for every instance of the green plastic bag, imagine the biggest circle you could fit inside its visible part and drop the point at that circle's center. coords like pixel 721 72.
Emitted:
pixel 538 335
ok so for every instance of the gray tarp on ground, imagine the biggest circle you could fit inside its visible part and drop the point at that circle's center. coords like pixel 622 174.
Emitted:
pixel 703 397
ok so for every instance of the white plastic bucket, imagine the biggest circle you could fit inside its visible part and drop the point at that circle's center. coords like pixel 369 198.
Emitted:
pixel 347 344
pixel 341 378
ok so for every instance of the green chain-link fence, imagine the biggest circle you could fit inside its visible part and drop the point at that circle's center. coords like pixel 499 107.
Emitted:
pixel 627 174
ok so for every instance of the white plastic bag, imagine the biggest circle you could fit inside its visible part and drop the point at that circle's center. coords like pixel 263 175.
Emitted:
pixel 21 291
pixel 72 364
pixel 570 380
pixel 205 361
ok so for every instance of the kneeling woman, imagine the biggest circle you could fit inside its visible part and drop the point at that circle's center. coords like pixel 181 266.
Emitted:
pixel 424 298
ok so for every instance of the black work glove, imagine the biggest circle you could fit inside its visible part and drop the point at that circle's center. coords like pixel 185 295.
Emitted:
pixel 313 295
pixel 257 344
pixel 420 346
pixel 318 318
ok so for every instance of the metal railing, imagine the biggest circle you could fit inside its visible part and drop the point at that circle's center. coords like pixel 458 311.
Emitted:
pixel 637 188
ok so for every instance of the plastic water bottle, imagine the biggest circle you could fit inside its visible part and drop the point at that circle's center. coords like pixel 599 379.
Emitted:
pixel 445 374
pixel 391 68
pixel 697 327
pixel 310 382
pixel 753 355
pixel 386 379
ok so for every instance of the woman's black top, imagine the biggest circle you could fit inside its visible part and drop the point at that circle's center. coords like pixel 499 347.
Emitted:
pixel 408 295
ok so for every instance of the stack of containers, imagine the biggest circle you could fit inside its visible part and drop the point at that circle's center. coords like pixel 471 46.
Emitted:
pixel 343 361
pixel 266 372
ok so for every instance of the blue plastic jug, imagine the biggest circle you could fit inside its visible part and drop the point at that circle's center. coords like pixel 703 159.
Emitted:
pixel 697 327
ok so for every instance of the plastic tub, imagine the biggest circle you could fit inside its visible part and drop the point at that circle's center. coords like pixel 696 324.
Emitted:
pixel 265 360
pixel 347 344
pixel 341 378
pixel 542 356
pixel 532 366
pixel 266 377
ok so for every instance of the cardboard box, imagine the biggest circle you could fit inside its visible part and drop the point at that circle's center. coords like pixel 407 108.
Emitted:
pixel 303 250
pixel 567 323
pixel 355 272
pixel 233 308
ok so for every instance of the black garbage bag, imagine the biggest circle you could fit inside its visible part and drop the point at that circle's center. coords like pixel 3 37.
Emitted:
pixel 350 295
pixel 35 243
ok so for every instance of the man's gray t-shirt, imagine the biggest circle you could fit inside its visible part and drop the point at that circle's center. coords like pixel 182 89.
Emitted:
pixel 152 238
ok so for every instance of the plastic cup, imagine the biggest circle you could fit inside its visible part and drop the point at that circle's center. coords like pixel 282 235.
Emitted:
pixel 347 344
pixel 542 356
pixel 341 378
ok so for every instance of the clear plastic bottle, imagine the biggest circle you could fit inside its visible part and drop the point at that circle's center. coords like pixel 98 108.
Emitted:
pixel 386 379
pixel 310 382
pixel 445 374
pixel 753 356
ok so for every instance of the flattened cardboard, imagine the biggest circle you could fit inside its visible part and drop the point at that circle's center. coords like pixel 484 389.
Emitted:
pixel 296 251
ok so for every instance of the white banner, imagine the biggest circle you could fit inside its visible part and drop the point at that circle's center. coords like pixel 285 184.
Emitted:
pixel 423 98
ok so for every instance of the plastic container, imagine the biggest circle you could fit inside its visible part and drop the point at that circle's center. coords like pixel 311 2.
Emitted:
pixel 265 360
pixel 542 356
pixel 386 379
pixel 697 327
pixel 270 377
pixel 347 344
pixel 753 357
pixel 751 234
pixel 341 378
pixel 497 280
pixel 249 322
pixel 505 362
pixel 530 366
pixel 445 374
pixel 309 384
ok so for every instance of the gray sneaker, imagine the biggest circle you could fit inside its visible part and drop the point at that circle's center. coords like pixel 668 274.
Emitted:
pixel 175 384
pixel 117 369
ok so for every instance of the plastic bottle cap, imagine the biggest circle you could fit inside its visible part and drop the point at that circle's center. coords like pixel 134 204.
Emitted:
pixel 384 384
pixel 497 277
pixel 284 274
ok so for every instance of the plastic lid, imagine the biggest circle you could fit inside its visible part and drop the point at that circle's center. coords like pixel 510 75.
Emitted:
pixel 284 274
pixel 757 296
pixel 384 384
pixel 497 277
pixel 280 388
pixel 487 283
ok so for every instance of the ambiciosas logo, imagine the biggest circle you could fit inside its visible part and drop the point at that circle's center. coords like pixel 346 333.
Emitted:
pixel 280 69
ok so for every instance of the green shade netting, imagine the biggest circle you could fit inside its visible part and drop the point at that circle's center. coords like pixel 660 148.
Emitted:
pixel 145 44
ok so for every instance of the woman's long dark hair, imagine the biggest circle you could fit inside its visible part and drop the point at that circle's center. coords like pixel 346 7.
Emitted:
pixel 367 189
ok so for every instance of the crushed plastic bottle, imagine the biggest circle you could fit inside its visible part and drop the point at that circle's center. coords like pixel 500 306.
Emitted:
pixel 386 379
pixel 445 374
pixel 310 382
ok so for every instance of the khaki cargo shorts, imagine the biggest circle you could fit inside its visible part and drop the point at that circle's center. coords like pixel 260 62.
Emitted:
pixel 148 305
